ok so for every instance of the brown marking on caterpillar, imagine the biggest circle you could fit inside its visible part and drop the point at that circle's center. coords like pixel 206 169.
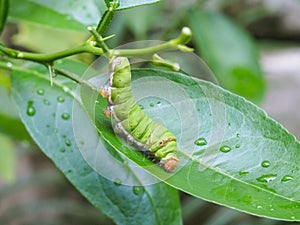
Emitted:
pixel 107 112
pixel 103 92
pixel 165 141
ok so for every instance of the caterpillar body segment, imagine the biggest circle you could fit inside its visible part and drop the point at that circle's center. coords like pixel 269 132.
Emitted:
pixel 131 123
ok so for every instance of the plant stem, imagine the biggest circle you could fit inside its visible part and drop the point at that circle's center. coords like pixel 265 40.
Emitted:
pixel 98 38
pixel 46 59
pixel 107 18
pixel 49 58
pixel 73 77
pixel 174 44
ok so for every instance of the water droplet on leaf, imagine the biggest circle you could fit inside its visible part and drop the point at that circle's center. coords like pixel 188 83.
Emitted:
pixel 65 88
pixel 225 149
pixel 238 135
pixel 287 178
pixel 60 99
pixel 65 116
pixel 117 182
pixel 200 142
pixel 141 106
pixel 68 142
pixel 40 92
pixel 237 146
pixel 266 178
pixel 151 104
pixel 137 190
pixel 9 64
pixel 30 109
pixel 265 164
pixel 243 173
pixel 62 150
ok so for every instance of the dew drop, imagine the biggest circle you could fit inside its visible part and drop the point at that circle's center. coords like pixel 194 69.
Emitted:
pixel 65 88
pixel 137 190
pixel 141 106
pixel 225 149
pixel 86 168
pixel 40 92
pixel 69 171
pixel 238 135
pixel 151 104
pixel 292 217
pixel 60 99
pixel 287 178
pixel 117 182
pixel 265 164
pixel 65 116
pixel 67 142
pixel 9 64
pixel 62 150
pixel 259 207
pixel 200 142
pixel 30 109
pixel 158 103
pixel 237 146
pixel 266 178
pixel 243 173
pixel 46 102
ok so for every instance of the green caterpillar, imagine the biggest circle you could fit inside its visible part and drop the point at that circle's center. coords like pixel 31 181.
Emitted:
pixel 132 124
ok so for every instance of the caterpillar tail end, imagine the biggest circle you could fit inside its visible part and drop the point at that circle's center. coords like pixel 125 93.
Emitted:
pixel 170 164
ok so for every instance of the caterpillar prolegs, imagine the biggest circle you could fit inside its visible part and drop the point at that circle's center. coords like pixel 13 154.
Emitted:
pixel 132 124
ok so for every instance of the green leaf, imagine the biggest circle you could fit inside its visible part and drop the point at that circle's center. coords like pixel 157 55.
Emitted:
pixel 4 5
pixel 147 15
pixel 10 123
pixel 7 159
pixel 68 14
pixel 124 4
pixel 48 113
pixel 249 163
pixel 230 53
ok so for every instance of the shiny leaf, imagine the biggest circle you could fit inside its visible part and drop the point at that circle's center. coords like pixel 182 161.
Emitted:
pixel 249 161
pixel 48 112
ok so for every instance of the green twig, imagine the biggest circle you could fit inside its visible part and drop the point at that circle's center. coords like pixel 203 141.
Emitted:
pixel 49 58
pixel 107 17
pixel 98 38
pixel 73 77
pixel 174 44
